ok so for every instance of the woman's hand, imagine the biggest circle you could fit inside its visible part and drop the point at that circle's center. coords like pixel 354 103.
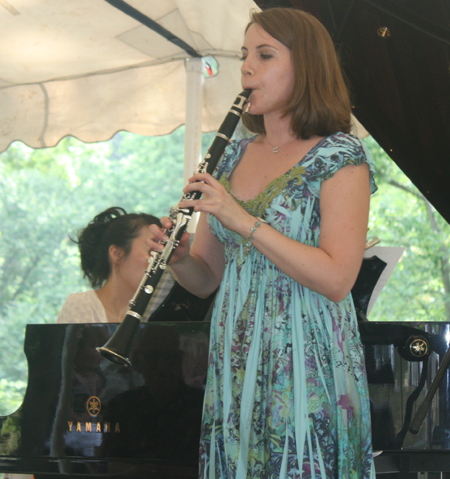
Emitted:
pixel 217 201
pixel 200 270
pixel 160 237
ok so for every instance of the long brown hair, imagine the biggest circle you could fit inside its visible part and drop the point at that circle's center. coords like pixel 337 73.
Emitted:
pixel 319 101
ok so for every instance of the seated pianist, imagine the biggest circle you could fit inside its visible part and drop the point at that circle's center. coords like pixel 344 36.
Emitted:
pixel 114 254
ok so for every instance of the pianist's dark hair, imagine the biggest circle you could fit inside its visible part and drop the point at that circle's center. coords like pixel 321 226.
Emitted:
pixel 113 226
pixel 319 101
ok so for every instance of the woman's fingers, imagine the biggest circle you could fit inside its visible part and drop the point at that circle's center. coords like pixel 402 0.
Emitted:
pixel 159 233
pixel 204 183
pixel 204 177
pixel 157 242
pixel 212 191
pixel 166 222
pixel 217 201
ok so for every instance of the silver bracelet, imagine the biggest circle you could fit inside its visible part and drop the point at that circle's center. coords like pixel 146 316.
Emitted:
pixel 248 243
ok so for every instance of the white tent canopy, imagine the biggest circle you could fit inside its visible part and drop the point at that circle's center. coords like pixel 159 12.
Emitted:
pixel 87 69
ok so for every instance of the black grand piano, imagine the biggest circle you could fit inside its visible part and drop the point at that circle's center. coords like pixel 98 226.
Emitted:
pixel 85 416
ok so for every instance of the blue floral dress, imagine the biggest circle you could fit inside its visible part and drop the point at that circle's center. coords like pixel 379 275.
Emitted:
pixel 286 394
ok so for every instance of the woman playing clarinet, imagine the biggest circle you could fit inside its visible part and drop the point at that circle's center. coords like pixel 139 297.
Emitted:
pixel 282 232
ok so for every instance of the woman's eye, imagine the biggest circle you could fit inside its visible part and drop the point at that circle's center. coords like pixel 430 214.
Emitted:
pixel 265 56
pixel 243 58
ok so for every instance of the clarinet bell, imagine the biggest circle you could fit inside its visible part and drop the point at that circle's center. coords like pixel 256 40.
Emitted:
pixel 118 347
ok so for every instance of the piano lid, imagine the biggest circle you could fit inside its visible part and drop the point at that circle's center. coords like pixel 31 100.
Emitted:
pixel 396 56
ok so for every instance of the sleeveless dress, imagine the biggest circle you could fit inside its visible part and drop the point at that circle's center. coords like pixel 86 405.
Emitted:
pixel 286 394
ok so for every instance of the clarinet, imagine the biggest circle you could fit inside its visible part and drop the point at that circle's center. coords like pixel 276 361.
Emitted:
pixel 118 347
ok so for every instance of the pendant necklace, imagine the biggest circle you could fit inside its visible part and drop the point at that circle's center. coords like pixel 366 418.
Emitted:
pixel 276 149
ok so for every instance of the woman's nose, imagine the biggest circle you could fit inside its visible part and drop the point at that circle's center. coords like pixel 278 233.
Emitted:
pixel 246 68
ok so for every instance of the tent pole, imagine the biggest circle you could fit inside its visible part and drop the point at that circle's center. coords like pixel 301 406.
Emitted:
pixel 193 128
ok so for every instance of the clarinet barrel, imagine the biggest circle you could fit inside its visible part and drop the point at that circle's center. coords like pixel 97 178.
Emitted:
pixel 117 349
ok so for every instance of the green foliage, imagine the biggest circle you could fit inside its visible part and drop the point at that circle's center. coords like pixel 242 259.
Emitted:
pixel 11 395
pixel 401 216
